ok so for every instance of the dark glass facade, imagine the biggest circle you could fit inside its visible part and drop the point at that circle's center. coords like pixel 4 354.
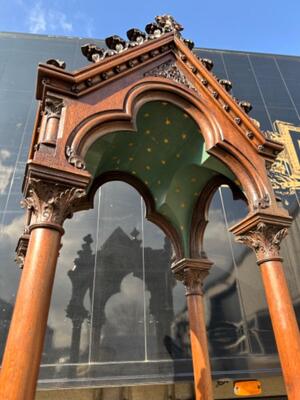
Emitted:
pixel 117 314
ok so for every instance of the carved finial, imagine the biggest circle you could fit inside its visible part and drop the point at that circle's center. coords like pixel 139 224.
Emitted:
pixel 116 43
pixel 92 52
pixel 56 63
pixel 207 63
pixel 168 23
pixel 163 24
pixel 246 106
pixel 135 233
pixel 227 85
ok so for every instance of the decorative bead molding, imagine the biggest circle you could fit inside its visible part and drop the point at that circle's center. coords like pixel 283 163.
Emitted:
pixel 51 203
pixel 169 70
pixel 74 159
pixel 265 240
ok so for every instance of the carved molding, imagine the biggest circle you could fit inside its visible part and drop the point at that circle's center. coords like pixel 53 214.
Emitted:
pixel 74 159
pixel 51 203
pixel 265 240
pixel 192 273
pixel 170 71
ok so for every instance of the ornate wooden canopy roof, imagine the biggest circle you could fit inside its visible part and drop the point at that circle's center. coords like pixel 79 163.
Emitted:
pixel 149 111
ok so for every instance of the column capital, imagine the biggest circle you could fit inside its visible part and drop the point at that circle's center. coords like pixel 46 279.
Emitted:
pixel 51 203
pixel 192 273
pixel 263 233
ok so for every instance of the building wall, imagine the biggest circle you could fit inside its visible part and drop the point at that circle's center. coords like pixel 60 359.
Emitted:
pixel 117 314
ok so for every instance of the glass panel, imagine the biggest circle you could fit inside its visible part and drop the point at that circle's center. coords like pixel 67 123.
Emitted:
pixel 118 316
pixel 226 331
pixel 68 331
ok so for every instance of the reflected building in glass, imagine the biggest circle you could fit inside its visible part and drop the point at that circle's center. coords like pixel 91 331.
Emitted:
pixel 118 316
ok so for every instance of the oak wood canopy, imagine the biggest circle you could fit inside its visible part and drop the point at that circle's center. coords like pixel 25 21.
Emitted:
pixel 149 112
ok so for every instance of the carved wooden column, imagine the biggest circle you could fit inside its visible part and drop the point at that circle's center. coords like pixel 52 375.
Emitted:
pixel 263 233
pixel 192 272
pixel 49 204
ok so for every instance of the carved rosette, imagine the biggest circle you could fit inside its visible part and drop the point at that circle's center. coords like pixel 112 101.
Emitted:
pixel 169 70
pixel 51 203
pixel 192 273
pixel 265 240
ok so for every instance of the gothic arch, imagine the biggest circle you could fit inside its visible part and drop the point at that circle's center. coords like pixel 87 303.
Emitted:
pixel 78 107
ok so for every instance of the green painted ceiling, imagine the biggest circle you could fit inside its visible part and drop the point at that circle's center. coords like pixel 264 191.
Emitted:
pixel 168 154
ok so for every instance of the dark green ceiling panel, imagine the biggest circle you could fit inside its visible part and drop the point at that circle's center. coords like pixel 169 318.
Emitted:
pixel 168 154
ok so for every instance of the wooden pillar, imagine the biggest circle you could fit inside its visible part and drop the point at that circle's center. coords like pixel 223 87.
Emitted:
pixel 50 204
pixel 192 272
pixel 264 237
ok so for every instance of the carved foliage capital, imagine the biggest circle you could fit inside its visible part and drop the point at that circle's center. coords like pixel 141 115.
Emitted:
pixel 53 107
pixel 193 281
pixel 192 273
pixel 264 239
pixel 51 202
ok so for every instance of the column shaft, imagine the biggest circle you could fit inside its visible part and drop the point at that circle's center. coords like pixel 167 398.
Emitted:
pixel 284 324
pixel 199 345
pixel 21 361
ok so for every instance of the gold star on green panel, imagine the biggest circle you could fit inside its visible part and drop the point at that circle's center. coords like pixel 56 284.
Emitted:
pixel 167 154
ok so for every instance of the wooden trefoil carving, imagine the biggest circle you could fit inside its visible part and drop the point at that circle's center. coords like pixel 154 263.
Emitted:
pixel 264 240
pixel 170 71
pixel 50 202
